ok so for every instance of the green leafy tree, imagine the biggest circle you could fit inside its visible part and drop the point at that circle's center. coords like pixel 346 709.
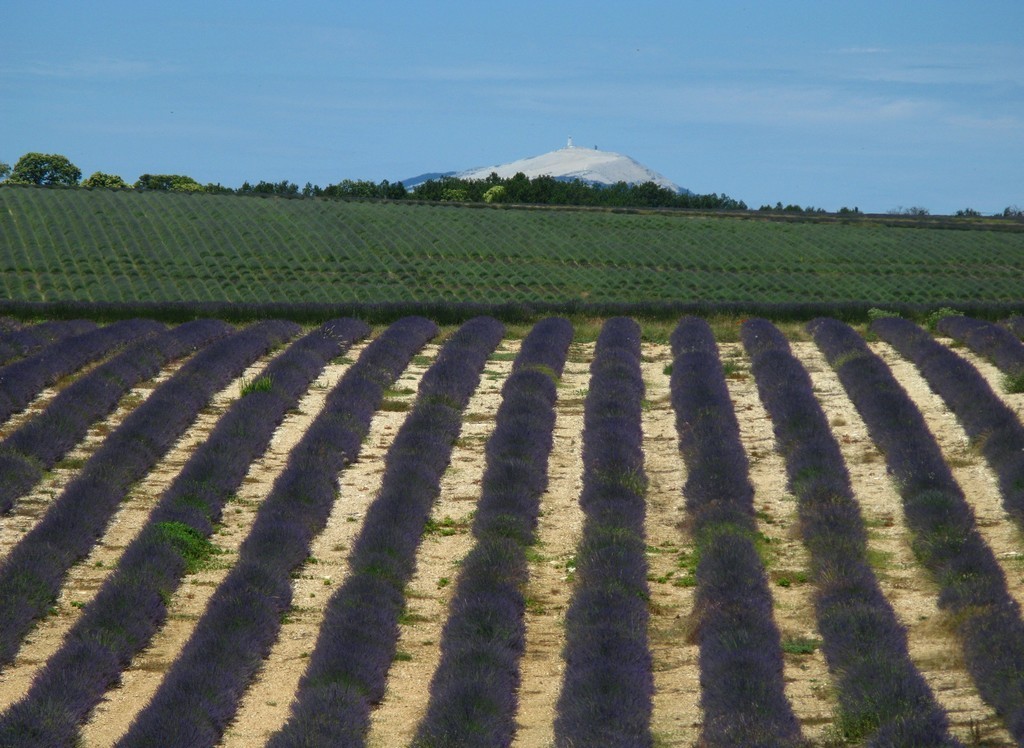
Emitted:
pixel 45 169
pixel 168 183
pixel 5 169
pixel 495 194
pixel 283 188
pixel 100 179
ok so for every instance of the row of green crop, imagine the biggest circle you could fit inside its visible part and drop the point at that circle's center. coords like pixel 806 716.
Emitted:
pixel 100 245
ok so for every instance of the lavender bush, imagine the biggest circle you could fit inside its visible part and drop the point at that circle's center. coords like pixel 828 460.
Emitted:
pixel 37 446
pixel 742 693
pixel 991 425
pixel 883 699
pixel 972 589
pixel 349 664
pixel 131 605
pixel 24 379
pixel 200 693
pixel 608 684
pixel 31 575
pixel 18 342
pixel 473 691
pixel 994 342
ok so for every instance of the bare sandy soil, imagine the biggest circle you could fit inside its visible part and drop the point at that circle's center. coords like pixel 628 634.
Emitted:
pixel 676 715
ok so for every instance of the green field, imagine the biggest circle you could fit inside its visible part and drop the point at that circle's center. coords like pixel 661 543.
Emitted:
pixel 124 246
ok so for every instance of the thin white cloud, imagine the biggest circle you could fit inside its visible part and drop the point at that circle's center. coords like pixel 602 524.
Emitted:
pixel 988 125
pixel 476 73
pixel 732 104
pixel 93 68
pixel 861 51
pixel 976 65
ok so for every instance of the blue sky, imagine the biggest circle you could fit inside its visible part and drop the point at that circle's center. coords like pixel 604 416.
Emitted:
pixel 878 105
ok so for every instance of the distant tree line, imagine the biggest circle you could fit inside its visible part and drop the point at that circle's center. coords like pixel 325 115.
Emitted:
pixel 55 170
pixel 547 190
pixel 50 169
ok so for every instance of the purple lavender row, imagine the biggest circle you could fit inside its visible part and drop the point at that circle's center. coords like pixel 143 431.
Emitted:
pixel 1016 325
pixel 20 342
pixel 972 588
pixel 31 576
pixel 990 424
pixel 608 684
pixel 741 663
pixel 473 691
pixel 131 604
pixel 349 664
pixel 24 379
pixel 200 693
pixel 35 447
pixel 883 699
pixel 994 342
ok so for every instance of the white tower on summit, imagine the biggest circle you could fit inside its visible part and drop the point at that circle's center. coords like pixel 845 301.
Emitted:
pixel 570 142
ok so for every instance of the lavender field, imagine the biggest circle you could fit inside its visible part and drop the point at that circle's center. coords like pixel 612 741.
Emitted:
pixel 615 535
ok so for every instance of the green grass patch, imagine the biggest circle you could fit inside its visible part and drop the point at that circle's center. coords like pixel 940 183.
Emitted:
pixel 194 547
pixel 800 645
pixel 263 383
pixel 1014 383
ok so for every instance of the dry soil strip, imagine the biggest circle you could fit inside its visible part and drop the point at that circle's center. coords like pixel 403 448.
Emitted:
pixel 448 540
pixel 933 646
pixel 676 716
pixel 551 565
pixel 806 675
pixel 113 715
pixel 265 707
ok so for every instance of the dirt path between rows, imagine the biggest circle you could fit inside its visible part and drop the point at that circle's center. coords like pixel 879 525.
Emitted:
pixel 676 715
pixel 552 558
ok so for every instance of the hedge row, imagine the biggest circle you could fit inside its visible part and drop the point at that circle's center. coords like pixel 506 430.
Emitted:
pixel 447 312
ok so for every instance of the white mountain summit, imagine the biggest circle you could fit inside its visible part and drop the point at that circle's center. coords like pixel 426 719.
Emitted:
pixel 586 164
